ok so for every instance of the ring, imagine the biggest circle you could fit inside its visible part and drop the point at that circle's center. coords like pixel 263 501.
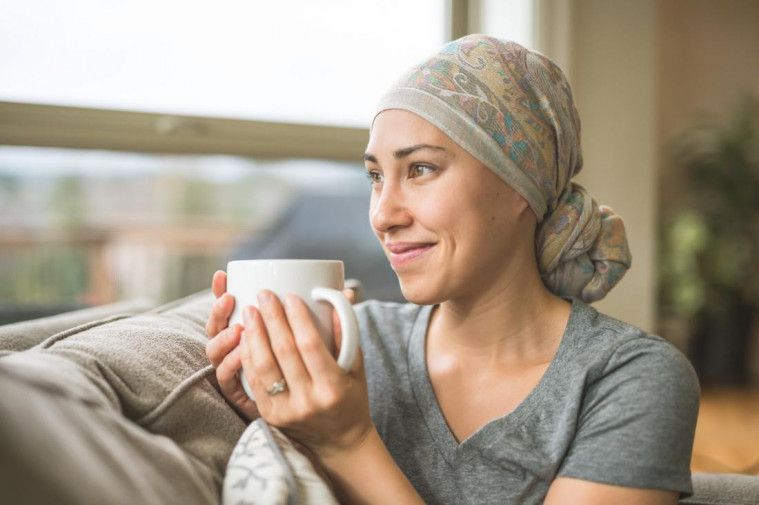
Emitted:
pixel 276 388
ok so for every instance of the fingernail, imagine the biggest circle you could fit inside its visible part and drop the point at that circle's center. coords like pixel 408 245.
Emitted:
pixel 264 297
pixel 289 301
pixel 247 315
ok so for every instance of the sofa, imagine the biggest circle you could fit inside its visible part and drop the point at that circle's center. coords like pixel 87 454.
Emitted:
pixel 102 405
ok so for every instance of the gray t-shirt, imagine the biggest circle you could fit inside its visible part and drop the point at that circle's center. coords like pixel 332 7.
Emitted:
pixel 616 406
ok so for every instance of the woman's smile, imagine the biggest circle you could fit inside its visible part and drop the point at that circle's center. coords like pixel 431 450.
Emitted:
pixel 402 254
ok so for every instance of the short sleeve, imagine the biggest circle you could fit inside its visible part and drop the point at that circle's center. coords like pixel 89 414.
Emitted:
pixel 637 420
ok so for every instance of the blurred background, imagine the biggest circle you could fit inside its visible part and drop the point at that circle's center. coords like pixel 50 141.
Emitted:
pixel 145 143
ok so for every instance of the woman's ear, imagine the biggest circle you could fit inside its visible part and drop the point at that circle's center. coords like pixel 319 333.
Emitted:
pixel 524 215
pixel 522 206
pixel 519 204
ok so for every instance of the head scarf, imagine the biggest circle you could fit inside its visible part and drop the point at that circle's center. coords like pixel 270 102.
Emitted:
pixel 512 109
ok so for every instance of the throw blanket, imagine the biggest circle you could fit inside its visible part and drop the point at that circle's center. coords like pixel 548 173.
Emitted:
pixel 120 410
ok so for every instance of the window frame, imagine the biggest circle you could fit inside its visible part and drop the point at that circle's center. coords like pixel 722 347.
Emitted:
pixel 26 124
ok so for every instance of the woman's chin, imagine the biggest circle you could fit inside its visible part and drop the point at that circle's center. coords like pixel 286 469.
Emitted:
pixel 420 295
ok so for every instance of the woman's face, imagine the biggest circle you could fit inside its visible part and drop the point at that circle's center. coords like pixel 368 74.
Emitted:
pixel 449 226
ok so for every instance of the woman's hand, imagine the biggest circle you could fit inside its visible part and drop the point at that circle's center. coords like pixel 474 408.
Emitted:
pixel 222 348
pixel 322 406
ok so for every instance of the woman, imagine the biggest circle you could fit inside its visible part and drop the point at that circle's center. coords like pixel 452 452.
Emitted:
pixel 497 383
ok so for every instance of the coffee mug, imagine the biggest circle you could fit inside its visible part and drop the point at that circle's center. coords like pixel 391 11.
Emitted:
pixel 318 282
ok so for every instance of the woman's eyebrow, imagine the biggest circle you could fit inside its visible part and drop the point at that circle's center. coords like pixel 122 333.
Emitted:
pixel 400 153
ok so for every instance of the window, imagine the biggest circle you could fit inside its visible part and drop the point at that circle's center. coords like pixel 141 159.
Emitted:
pixel 512 19
pixel 324 62
pixel 85 227
pixel 172 136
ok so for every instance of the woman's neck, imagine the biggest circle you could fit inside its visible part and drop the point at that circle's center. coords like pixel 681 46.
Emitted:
pixel 515 322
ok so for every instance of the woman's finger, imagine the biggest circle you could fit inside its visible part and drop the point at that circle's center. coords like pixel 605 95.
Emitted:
pixel 350 294
pixel 258 362
pixel 315 354
pixel 222 344
pixel 227 375
pixel 219 283
pixel 282 340
pixel 221 310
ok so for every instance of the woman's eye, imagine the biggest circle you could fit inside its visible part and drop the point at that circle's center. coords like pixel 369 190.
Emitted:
pixel 419 170
pixel 374 176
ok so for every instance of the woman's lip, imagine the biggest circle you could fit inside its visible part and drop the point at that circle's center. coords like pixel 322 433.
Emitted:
pixel 399 259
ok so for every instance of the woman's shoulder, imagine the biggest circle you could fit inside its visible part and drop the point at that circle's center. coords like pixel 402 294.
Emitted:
pixel 638 405
pixel 613 347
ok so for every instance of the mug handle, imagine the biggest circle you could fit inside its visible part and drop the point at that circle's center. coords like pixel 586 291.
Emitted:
pixel 348 327
pixel 348 324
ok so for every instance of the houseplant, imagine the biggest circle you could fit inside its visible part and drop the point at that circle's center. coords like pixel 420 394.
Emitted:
pixel 709 268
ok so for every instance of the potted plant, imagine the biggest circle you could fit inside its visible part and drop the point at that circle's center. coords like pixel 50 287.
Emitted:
pixel 709 269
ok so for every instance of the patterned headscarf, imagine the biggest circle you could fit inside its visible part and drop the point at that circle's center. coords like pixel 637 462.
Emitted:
pixel 512 109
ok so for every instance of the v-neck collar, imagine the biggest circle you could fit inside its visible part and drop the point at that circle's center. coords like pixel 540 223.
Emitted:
pixel 439 430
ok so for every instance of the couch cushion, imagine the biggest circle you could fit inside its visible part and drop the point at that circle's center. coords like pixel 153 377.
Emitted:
pixel 24 335
pixel 63 442
pixel 723 489
pixel 149 370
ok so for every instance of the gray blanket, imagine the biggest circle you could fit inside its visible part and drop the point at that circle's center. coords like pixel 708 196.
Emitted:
pixel 124 409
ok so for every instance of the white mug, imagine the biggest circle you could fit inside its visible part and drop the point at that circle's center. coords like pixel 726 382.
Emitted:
pixel 315 281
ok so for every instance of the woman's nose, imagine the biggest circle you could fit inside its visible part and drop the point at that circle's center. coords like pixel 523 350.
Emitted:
pixel 388 209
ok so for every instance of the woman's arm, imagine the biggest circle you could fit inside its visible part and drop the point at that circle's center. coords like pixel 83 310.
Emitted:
pixel 369 475
pixel 567 490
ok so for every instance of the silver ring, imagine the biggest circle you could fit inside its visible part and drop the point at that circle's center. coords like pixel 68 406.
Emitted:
pixel 278 387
